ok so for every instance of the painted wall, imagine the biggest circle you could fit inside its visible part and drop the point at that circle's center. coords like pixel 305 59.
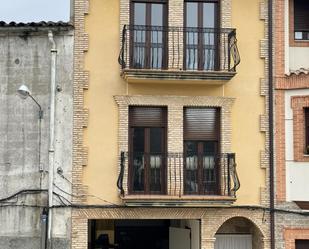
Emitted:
pixel 102 25
pixel 299 57
pixel 25 58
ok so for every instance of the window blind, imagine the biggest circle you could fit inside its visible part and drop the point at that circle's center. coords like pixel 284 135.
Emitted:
pixel 140 116
pixel 201 124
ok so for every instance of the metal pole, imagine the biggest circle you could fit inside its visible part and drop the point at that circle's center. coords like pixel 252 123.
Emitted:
pixel 51 150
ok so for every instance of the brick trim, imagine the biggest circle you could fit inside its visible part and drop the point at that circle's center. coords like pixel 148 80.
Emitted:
pixel 298 103
pixel 280 146
pixel 264 124
pixel 175 105
pixel 80 115
pixel 211 220
pixel 292 234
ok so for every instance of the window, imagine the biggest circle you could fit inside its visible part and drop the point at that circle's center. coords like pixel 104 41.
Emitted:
pixel 301 20
pixel 306 111
pixel 201 34
pixel 148 44
pixel 301 244
pixel 147 148
pixel 201 149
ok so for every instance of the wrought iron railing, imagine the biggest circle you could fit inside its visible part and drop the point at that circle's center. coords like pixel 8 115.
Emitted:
pixel 177 174
pixel 179 48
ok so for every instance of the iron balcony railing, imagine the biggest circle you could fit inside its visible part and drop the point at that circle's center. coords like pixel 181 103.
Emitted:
pixel 177 174
pixel 179 48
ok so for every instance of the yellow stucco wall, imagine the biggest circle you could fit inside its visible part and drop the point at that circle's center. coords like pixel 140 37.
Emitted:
pixel 102 25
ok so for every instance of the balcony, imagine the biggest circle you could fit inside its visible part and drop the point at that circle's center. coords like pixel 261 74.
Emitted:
pixel 177 54
pixel 177 179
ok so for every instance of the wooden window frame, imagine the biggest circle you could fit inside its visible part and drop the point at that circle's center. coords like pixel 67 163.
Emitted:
pixel 292 41
pixel 146 143
pixel 200 149
pixel 200 23
pixel 148 38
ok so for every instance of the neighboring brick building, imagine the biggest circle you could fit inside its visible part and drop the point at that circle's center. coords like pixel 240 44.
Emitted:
pixel 291 75
pixel 165 124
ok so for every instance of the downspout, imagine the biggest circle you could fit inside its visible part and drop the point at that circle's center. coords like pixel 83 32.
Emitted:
pixel 51 149
pixel 271 124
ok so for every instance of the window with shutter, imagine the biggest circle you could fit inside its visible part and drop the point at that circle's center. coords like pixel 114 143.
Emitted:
pixel 201 148
pixel 147 148
pixel 306 112
pixel 301 244
pixel 301 19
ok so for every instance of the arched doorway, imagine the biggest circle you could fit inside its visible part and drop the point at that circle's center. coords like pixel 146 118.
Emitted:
pixel 239 233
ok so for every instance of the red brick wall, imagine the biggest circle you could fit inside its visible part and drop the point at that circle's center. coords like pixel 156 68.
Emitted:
pixel 298 104
pixel 290 235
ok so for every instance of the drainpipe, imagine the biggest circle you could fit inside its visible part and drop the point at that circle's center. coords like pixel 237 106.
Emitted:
pixel 51 150
pixel 271 125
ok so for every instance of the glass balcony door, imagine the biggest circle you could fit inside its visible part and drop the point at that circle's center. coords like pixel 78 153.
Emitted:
pixel 148 35
pixel 201 35
pixel 147 166
pixel 201 168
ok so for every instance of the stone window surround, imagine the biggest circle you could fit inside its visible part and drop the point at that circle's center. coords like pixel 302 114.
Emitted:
pixel 298 103
pixel 175 105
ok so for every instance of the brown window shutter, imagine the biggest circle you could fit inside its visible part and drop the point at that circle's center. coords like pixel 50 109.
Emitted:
pixel 201 124
pixel 143 116
pixel 301 15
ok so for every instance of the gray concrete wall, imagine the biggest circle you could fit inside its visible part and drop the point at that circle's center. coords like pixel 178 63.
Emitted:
pixel 25 58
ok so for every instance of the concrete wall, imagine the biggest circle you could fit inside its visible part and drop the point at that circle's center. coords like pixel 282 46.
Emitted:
pixel 25 58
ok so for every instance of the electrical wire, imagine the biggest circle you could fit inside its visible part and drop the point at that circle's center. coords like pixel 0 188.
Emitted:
pixel 24 191
pixel 84 195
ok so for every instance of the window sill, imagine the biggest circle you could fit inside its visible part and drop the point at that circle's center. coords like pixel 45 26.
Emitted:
pixel 177 76
pixel 185 201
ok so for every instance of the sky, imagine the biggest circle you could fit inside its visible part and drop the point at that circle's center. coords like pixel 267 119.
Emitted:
pixel 34 10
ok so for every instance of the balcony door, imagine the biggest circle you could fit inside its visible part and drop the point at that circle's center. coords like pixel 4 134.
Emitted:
pixel 201 151
pixel 201 35
pixel 147 171
pixel 148 34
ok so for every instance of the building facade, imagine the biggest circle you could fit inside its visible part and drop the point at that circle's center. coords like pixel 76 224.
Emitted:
pixel 164 110
pixel 291 63
pixel 25 149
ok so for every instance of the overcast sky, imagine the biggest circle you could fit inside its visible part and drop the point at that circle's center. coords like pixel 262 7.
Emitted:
pixel 34 10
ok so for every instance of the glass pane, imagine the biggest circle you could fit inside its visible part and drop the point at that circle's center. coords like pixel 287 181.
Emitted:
pixel 191 166
pixel 156 140
pixel 209 15
pixel 209 21
pixel 157 14
pixel 156 158
pixel 139 35
pixel 156 50
pixel 138 159
pixel 192 14
pixel 139 14
pixel 209 169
